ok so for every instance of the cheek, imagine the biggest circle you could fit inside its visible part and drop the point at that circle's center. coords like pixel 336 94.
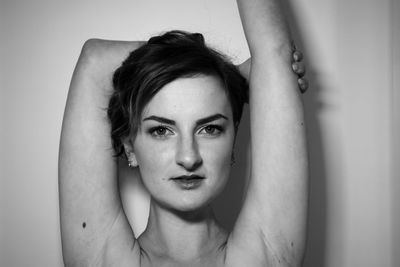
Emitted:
pixel 218 155
pixel 152 159
pixel 218 166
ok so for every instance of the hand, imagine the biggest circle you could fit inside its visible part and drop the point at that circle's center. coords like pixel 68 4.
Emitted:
pixel 299 68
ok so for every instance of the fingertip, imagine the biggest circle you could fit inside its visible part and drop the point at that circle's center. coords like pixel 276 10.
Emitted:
pixel 297 55
pixel 295 67
pixel 299 68
pixel 303 84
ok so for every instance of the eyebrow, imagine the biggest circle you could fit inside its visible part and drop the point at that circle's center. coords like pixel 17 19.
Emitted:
pixel 201 121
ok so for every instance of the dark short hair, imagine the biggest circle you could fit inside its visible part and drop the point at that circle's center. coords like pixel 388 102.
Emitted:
pixel 163 59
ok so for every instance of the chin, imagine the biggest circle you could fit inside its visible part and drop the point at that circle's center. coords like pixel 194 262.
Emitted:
pixel 186 199
pixel 189 204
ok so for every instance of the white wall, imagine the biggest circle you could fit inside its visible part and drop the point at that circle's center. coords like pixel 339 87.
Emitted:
pixel 348 48
pixel 395 51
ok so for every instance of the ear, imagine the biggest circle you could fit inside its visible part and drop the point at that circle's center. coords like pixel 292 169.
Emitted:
pixel 129 152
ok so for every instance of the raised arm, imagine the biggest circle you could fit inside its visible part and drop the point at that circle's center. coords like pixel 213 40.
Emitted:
pixel 95 231
pixel 271 226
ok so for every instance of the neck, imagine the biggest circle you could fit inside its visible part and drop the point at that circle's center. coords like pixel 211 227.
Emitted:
pixel 181 235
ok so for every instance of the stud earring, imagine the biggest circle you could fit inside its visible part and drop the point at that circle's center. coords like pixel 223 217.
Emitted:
pixel 131 164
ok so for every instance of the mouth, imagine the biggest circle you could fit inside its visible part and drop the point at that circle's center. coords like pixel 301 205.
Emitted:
pixel 188 182
pixel 188 177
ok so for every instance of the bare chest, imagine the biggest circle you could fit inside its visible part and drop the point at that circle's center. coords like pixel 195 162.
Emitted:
pixel 214 260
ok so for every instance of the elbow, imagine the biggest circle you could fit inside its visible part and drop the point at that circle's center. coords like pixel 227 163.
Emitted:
pixel 92 51
pixel 278 50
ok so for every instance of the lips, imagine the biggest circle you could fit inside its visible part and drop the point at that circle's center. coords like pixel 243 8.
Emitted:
pixel 188 177
pixel 188 182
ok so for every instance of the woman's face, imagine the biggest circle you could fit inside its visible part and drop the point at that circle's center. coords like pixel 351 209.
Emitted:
pixel 184 144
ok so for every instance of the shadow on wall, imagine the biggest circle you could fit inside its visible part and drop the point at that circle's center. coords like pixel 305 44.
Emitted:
pixel 318 206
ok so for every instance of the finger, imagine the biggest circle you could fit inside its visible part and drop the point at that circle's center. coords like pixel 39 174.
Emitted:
pixel 297 55
pixel 299 68
pixel 303 84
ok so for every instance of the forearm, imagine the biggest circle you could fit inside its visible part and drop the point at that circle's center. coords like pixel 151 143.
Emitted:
pixel 264 24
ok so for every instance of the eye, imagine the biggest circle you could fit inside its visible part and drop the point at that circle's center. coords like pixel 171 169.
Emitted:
pixel 212 130
pixel 160 131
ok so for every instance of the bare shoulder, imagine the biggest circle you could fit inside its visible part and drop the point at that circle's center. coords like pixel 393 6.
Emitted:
pixel 251 247
pixel 246 245
pixel 255 241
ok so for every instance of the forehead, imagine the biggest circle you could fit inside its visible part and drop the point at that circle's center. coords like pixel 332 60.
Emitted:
pixel 190 97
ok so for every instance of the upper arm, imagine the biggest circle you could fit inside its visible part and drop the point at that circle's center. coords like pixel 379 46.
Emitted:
pixel 90 206
pixel 272 222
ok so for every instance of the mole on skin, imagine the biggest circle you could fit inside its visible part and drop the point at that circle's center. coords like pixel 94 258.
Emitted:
pixel 84 225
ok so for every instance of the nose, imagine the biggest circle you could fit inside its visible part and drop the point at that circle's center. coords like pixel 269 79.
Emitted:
pixel 187 154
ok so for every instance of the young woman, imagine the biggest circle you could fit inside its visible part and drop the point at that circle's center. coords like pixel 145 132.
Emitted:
pixel 173 111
